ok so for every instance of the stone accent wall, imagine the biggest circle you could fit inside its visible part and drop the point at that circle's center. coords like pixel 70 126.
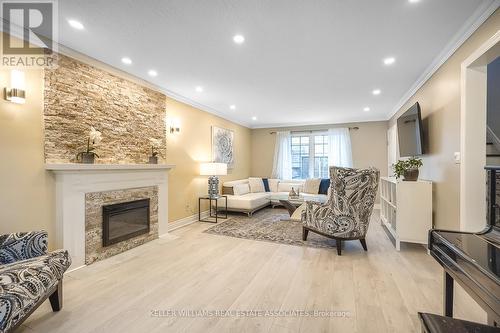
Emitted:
pixel 78 96
pixel 94 201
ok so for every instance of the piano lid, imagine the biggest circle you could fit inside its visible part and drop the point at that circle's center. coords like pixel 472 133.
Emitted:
pixel 480 248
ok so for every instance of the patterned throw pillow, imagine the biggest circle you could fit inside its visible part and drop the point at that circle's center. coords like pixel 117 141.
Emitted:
pixel 312 185
pixel 256 185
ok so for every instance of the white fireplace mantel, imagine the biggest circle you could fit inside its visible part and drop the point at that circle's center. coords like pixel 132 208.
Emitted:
pixel 73 181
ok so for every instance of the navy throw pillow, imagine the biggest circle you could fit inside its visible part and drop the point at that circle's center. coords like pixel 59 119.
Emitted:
pixel 266 184
pixel 324 185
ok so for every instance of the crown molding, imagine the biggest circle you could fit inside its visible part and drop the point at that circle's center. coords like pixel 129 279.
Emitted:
pixel 305 124
pixel 470 26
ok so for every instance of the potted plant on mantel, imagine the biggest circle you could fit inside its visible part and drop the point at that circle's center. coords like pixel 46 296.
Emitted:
pixel 408 169
pixel 155 145
pixel 88 157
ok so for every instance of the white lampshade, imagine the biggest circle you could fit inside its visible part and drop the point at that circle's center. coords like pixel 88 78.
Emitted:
pixel 213 169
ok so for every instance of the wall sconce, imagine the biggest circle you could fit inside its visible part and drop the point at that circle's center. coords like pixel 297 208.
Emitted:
pixel 174 125
pixel 16 92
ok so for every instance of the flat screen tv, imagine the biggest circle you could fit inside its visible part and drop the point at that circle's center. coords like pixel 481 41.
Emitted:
pixel 410 132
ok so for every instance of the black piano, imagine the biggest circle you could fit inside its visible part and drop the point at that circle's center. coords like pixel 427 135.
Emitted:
pixel 473 259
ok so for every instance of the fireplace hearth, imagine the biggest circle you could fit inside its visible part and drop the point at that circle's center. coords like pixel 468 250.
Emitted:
pixel 125 220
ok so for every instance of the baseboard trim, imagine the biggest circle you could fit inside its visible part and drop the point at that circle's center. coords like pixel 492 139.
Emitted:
pixel 185 221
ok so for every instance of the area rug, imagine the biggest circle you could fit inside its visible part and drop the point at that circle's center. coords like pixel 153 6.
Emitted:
pixel 271 225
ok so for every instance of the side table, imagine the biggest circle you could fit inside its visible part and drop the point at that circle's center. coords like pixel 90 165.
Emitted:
pixel 212 214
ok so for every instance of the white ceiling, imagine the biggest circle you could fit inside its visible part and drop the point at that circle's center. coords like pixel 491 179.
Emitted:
pixel 303 62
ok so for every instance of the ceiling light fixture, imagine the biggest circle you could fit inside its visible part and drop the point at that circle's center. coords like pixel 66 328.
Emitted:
pixel 389 60
pixel 239 39
pixel 254 118
pixel 232 107
pixel 376 92
pixel 199 89
pixel 76 24
pixel 127 61
pixel 152 73
pixel 366 109
pixel 413 1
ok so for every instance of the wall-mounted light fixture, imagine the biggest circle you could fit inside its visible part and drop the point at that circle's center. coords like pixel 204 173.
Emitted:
pixel 16 92
pixel 174 125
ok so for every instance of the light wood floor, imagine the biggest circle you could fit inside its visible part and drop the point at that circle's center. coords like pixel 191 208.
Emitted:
pixel 381 289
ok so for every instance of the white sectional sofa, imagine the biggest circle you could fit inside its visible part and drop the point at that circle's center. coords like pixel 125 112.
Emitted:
pixel 248 196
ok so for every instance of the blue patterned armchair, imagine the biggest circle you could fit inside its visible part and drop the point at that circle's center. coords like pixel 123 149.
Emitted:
pixel 28 276
pixel 346 214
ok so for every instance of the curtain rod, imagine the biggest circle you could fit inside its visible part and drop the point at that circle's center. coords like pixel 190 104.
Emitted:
pixel 319 130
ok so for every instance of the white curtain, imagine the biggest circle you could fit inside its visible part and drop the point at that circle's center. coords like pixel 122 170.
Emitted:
pixel 339 147
pixel 282 164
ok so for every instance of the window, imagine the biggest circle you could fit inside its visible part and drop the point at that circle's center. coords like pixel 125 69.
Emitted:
pixel 309 156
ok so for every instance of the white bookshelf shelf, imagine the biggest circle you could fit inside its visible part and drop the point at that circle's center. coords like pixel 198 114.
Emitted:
pixel 406 210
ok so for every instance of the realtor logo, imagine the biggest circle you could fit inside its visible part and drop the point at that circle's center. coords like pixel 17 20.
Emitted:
pixel 30 33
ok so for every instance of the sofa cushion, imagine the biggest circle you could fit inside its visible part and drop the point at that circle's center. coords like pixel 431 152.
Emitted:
pixel 256 185
pixel 324 186
pixel 312 185
pixel 24 283
pixel 248 201
pixel 287 187
pixel 273 184
pixel 241 189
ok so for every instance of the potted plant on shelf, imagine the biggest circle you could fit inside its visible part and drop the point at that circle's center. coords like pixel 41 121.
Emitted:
pixel 408 169
pixel 155 145
pixel 88 156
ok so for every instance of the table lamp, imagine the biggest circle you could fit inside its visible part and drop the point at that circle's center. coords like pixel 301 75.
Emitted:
pixel 213 170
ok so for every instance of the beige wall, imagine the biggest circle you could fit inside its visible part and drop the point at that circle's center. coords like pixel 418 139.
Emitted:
pixel 369 146
pixel 190 147
pixel 26 189
pixel 439 99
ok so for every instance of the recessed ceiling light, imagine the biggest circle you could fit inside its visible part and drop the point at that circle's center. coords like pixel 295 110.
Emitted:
pixel 254 118
pixel 75 24
pixel 413 1
pixel 389 60
pixel 239 39
pixel 366 109
pixel 376 91
pixel 152 73
pixel 232 107
pixel 127 61
pixel 199 89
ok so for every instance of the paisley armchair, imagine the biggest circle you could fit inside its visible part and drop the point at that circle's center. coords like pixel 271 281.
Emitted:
pixel 346 214
pixel 28 276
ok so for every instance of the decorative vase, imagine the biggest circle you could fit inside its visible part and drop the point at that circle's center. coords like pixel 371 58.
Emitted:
pixel 411 175
pixel 153 159
pixel 87 158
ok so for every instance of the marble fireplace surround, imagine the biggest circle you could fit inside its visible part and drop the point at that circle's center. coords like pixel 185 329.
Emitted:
pixel 74 181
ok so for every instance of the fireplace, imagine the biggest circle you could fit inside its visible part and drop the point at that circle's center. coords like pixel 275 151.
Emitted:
pixel 125 220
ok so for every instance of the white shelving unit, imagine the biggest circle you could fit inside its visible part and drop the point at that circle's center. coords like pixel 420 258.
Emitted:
pixel 406 209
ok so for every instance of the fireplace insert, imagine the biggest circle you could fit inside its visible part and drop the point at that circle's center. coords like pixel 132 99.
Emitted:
pixel 124 220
